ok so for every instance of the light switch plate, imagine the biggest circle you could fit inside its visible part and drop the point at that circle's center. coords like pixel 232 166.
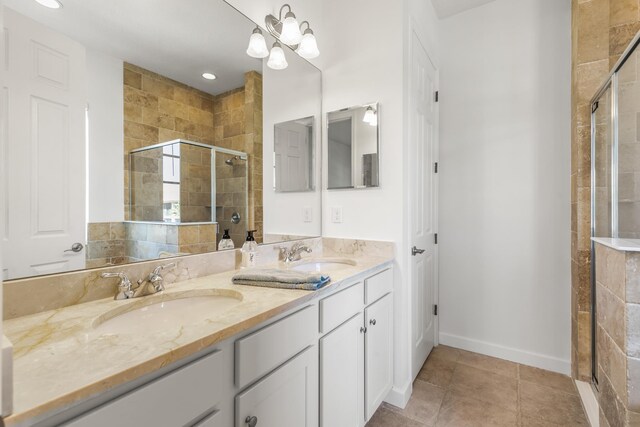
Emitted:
pixel 307 214
pixel 336 214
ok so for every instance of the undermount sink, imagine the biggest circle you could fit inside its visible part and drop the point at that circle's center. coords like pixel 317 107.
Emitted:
pixel 161 312
pixel 323 265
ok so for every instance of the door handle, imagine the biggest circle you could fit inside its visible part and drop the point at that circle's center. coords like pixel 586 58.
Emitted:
pixel 415 251
pixel 76 247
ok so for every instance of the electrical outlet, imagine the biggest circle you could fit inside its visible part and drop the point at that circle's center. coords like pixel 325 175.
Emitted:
pixel 336 214
pixel 307 214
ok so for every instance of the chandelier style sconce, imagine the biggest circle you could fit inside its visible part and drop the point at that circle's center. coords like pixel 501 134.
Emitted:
pixel 287 31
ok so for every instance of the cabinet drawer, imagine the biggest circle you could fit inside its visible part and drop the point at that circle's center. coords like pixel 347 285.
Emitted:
pixel 287 397
pixel 211 420
pixel 339 307
pixel 379 285
pixel 266 349
pixel 175 399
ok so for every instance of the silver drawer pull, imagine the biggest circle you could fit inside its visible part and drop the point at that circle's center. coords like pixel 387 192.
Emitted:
pixel 372 322
pixel 251 421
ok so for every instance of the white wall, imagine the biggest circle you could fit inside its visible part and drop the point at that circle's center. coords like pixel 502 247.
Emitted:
pixel 106 137
pixel 504 183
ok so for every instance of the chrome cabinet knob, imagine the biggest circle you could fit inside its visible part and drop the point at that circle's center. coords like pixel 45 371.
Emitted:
pixel 76 247
pixel 372 322
pixel 251 421
pixel 363 330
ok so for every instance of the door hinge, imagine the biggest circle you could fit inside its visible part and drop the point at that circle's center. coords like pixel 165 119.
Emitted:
pixel 435 238
pixel 435 310
pixel 437 96
pixel 435 167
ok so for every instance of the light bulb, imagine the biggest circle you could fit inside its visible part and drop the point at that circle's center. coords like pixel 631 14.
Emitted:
pixel 369 115
pixel 257 45
pixel 308 48
pixel 291 34
pixel 277 60
pixel 51 4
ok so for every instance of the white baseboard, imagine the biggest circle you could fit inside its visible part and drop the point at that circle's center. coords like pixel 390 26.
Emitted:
pixel 589 402
pixel 537 360
pixel 399 396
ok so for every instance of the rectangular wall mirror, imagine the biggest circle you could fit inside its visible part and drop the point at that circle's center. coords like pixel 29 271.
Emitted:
pixel 133 138
pixel 353 147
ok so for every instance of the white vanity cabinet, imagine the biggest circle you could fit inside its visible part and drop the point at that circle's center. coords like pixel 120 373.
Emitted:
pixel 356 358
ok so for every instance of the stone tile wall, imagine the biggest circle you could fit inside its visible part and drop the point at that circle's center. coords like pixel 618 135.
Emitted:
pixel 231 196
pixel 158 109
pixel 106 244
pixel 618 336
pixel 195 184
pixel 601 30
pixel 238 126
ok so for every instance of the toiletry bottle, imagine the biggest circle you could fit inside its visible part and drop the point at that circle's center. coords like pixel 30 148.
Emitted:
pixel 226 242
pixel 249 251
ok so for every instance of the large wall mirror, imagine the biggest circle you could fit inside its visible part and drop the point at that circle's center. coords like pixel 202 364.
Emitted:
pixel 353 147
pixel 138 132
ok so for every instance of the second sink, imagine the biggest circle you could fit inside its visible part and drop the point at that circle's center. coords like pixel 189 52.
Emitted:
pixel 322 265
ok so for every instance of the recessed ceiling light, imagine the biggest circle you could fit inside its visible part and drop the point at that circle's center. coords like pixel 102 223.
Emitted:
pixel 51 4
pixel 209 76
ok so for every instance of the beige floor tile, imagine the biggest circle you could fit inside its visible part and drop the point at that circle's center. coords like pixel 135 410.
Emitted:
pixel 486 386
pixel 424 403
pixel 548 378
pixel 445 352
pixel 437 371
pixel 488 363
pixel 457 411
pixel 550 405
pixel 387 418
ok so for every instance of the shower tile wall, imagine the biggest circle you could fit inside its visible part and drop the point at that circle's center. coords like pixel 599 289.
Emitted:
pixel 231 197
pixel 146 185
pixel 601 30
pixel 158 109
pixel 238 126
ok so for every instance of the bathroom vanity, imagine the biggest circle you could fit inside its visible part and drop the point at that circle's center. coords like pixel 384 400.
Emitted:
pixel 264 356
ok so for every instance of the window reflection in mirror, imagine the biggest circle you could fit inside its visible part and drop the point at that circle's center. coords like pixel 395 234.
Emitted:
pixel 293 155
pixel 353 147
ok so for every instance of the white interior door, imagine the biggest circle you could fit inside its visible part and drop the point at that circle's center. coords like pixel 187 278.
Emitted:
pixel 45 170
pixel 292 157
pixel 423 202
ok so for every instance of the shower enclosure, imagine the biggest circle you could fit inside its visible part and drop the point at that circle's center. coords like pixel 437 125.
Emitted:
pixel 615 163
pixel 185 183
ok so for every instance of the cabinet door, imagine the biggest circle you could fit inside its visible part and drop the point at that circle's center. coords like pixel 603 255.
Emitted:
pixel 288 397
pixel 342 375
pixel 378 353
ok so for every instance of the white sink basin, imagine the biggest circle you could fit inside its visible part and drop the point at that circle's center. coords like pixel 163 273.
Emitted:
pixel 158 313
pixel 323 265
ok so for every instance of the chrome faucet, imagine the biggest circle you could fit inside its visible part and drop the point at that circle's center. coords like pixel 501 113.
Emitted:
pixel 152 284
pixel 294 254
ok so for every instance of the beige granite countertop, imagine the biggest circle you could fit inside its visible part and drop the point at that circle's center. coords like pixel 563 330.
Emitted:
pixel 60 359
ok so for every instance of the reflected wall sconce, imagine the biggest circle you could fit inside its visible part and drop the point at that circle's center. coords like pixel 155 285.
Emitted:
pixel 370 116
pixel 287 31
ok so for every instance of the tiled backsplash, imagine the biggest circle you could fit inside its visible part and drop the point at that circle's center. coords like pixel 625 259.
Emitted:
pixel 36 294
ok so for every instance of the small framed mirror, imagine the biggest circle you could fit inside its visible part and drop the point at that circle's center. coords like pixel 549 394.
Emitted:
pixel 353 147
pixel 293 158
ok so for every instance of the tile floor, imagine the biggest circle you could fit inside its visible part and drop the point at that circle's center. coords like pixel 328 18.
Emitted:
pixel 457 388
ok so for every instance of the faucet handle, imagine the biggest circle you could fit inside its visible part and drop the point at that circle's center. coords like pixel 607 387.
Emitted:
pixel 124 287
pixel 159 268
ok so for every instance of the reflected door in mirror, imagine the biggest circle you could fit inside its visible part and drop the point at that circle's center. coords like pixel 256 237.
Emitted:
pixel 293 151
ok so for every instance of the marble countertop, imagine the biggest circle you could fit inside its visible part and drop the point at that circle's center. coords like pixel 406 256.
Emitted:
pixel 627 245
pixel 60 359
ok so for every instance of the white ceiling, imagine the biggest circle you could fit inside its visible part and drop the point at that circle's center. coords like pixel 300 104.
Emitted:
pixel 447 8
pixel 179 39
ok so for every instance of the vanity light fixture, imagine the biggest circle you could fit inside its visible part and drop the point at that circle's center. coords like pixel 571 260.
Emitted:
pixel 370 116
pixel 308 47
pixel 51 4
pixel 209 76
pixel 277 60
pixel 289 29
pixel 257 45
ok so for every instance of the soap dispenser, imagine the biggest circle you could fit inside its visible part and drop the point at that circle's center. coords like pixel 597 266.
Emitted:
pixel 226 242
pixel 249 251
